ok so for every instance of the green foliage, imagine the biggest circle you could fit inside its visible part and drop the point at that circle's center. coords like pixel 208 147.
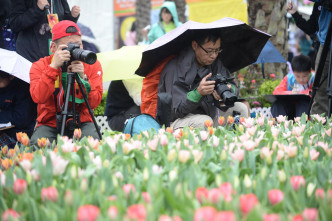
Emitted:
pixel 267 88
pixel 99 111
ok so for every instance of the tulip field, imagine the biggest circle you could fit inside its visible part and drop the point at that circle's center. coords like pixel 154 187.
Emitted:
pixel 260 169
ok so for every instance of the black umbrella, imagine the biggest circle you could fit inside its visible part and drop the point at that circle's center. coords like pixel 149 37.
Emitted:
pixel 241 44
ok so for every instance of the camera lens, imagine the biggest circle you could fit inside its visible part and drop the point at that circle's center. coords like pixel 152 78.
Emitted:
pixel 86 56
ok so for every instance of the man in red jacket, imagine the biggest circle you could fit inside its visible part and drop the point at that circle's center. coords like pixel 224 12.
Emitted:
pixel 46 75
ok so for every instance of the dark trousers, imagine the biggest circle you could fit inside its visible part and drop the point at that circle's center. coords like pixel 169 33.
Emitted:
pixel 87 128
pixel 117 122
pixel 290 109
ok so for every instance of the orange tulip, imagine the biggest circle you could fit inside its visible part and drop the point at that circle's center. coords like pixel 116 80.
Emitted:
pixel 77 133
pixel 230 120
pixel 19 136
pixel 208 123
pixel 27 156
pixel 169 130
pixel 25 139
pixel 42 142
pixel 6 163
pixel 221 120
pixel 210 130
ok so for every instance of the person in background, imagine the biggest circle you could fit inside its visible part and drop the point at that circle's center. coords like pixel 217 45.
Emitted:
pixel 5 6
pixel 123 102
pixel 309 27
pixel 131 35
pixel 193 96
pixel 298 82
pixel 320 104
pixel 33 20
pixel 47 73
pixel 16 108
pixel 168 20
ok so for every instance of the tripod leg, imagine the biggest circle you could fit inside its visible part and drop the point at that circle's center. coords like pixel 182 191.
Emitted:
pixel 65 110
pixel 80 84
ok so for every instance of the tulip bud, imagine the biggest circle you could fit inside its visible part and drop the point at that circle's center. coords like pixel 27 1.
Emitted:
pixel 263 173
pixel 306 153
pixel 184 156
pixel 145 174
pixel 84 185
pixel 282 176
pixel 310 189
pixel 247 181
pixel 69 197
pixel 20 186
pixel 223 155
pixel 173 174
pixel 106 163
pixel 102 186
pixel 115 181
pixel 218 179
pixel 236 182
pixel 171 155
pixel 73 172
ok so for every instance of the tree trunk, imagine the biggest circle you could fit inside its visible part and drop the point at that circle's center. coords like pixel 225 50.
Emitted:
pixel 143 10
pixel 270 16
pixel 181 9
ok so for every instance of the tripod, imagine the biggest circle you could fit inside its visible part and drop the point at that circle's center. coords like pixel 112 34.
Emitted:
pixel 317 82
pixel 71 78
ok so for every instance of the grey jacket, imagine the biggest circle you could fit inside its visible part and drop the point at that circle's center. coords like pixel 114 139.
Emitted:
pixel 182 75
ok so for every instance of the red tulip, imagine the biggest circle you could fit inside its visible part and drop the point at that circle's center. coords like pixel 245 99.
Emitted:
pixel 205 214
pixel 319 193
pixel 127 188
pixel 20 186
pixel 112 212
pixel 87 213
pixel 214 195
pixel 310 214
pixel 202 194
pixel 225 215
pixel 253 81
pixel 10 215
pixel 297 181
pixel 275 196
pixel 226 191
pixel 272 217
pixel 248 202
pixel 146 197
pixel 272 75
pixel 297 217
pixel 136 212
pixel 50 193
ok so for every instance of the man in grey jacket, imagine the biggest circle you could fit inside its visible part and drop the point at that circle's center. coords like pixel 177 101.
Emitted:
pixel 194 98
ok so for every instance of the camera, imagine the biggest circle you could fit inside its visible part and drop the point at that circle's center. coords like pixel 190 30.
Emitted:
pixel 223 90
pixel 76 53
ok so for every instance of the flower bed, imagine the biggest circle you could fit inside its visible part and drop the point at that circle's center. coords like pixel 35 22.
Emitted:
pixel 262 170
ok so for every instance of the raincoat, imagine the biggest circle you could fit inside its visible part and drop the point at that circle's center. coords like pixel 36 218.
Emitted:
pixel 42 87
pixel 157 30
pixel 182 75
pixel 289 83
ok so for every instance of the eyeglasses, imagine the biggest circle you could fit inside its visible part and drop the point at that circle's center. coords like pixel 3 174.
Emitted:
pixel 210 53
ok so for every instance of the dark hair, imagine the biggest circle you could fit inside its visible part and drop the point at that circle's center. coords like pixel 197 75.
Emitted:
pixel 4 75
pixel 301 63
pixel 133 27
pixel 203 36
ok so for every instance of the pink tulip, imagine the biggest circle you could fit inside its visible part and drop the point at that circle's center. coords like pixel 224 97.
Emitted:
pixel 238 154
pixel 225 215
pixel 314 154
pixel 136 212
pixel 50 193
pixel 163 140
pixel 214 195
pixel 272 75
pixel 226 190
pixel 153 144
pixel 205 214
pixel 127 188
pixel 248 202
pixel 272 217
pixel 146 197
pixel 165 218
pixel 184 156
pixel 310 214
pixel 275 196
pixel 20 186
pixel 88 213
pixel 320 193
pixel 204 135
pixel 202 194
pixel 10 215
pixel 69 197
pixel 297 181
pixel 112 212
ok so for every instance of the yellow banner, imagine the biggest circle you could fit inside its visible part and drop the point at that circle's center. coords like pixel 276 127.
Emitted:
pixel 206 11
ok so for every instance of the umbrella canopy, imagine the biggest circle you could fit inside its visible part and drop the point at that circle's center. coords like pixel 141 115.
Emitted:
pixel 85 30
pixel 241 44
pixel 269 54
pixel 121 64
pixel 14 64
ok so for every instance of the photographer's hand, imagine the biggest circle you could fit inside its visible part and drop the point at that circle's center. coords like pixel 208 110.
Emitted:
pixel 75 11
pixel 206 87
pixel 291 8
pixel 42 3
pixel 60 56
pixel 76 67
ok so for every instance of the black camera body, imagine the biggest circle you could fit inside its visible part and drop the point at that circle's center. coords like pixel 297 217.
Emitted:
pixel 76 53
pixel 223 90
pixel 71 123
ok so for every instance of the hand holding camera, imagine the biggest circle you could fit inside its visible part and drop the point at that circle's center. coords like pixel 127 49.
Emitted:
pixel 76 67
pixel 42 3
pixel 206 87
pixel 60 56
